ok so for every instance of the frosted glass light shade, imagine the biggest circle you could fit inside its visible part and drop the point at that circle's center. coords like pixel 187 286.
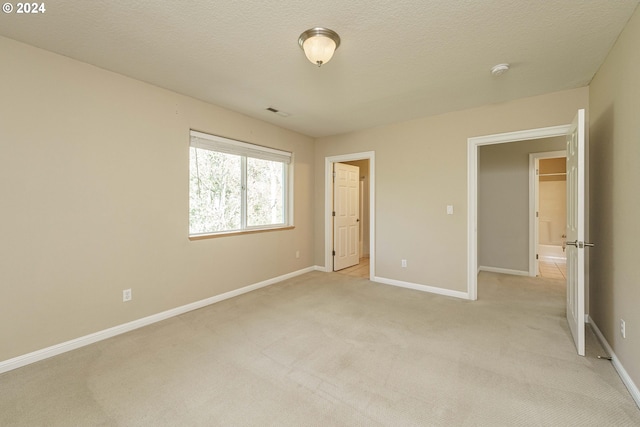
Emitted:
pixel 319 49
pixel 319 44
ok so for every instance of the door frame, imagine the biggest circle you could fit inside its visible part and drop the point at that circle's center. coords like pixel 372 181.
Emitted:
pixel 328 207
pixel 534 191
pixel 473 145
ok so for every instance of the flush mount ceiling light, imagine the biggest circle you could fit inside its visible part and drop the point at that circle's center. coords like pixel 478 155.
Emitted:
pixel 498 70
pixel 319 44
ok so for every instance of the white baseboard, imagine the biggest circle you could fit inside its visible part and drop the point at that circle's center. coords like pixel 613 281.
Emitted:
pixel 54 350
pixel 503 271
pixel 423 288
pixel 560 260
pixel 624 376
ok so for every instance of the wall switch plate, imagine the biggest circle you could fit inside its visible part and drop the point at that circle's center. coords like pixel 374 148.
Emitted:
pixel 449 209
pixel 404 263
pixel 297 254
pixel 623 328
pixel 126 295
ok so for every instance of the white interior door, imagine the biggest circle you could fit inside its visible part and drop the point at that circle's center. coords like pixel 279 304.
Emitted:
pixel 536 195
pixel 576 230
pixel 346 209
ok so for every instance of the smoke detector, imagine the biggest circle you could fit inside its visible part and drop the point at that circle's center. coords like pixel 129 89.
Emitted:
pixel 500 69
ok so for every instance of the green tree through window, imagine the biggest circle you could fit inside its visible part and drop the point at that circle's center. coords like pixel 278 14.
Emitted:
pixel 235 186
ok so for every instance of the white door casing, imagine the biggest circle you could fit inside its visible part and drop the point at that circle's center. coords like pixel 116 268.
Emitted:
pixel 576 231
pixel 346 221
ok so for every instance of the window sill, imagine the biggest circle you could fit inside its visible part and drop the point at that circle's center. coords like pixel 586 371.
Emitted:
pixel 236 233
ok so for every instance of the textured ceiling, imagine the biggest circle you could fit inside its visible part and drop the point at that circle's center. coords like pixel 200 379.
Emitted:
pixel 398 59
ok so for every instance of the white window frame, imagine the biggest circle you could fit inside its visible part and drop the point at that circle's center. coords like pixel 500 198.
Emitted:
pixel 244 149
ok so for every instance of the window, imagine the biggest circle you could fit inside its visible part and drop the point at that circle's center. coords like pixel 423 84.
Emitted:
pixel 235 186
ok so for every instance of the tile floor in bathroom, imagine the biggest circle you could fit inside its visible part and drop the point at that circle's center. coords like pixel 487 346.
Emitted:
pixel 551 268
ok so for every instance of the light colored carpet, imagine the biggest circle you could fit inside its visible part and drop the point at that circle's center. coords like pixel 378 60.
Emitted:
pixel 328 350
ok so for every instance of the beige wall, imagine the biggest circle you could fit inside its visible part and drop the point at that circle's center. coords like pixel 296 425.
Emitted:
pixel 421 167
pixel 94 185
pixel 615 196
pixel 503 202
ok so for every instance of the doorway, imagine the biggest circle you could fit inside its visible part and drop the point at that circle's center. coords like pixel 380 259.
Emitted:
pixel 473 147
pixel 576 214
pixel 505 205
pixel 368 213
pixel 547 216
pixel 346 215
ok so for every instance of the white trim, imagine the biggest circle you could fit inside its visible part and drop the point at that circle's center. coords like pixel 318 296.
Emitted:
pixel 232 146
pixel 328 203
pixel 54 350
pixel 472 189
pixel 534 191
pixel 422 288
pixel 503 270
pixel 624 376
pixel 521 135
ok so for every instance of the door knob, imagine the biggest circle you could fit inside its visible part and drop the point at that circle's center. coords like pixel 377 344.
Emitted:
pixel 580 244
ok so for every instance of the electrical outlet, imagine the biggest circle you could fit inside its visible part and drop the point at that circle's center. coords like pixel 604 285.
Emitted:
pixel 126 295
pixel 404 263
pixel 623 328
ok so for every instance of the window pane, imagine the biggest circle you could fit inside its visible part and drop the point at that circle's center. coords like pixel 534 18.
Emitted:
pixel 265 192
pixel 215 191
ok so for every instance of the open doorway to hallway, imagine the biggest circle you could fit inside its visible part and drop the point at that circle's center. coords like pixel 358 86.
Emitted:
pixel 576 214
pixel 509 218
pixel 367 185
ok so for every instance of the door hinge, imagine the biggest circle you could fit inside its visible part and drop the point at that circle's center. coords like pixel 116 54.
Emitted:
pixel 537 172
pixel 333 253
pixel 333 213
pixel 536 256
pixel 536 214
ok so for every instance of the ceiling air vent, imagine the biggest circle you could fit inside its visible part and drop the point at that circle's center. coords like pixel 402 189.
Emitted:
pixel 278 112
